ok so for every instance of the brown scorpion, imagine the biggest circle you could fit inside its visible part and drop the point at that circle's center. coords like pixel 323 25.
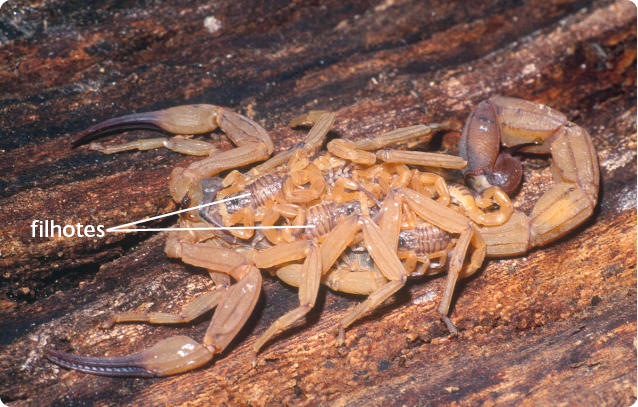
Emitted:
pixel 391 216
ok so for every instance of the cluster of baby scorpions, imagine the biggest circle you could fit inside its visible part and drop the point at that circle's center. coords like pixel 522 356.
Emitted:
pixel 373 216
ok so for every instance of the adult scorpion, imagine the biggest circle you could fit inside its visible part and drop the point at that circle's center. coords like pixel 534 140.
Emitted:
pixel 375 219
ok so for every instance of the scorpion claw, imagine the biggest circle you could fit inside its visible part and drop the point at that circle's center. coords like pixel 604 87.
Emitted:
pixel 189 119
pixel 98 366
pixel 507 172
pixel 173 355
pixel 126 123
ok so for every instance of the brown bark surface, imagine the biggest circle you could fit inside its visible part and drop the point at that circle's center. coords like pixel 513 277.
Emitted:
pixel 557 325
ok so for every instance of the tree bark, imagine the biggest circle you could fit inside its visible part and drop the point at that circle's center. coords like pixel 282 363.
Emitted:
pixel 557 325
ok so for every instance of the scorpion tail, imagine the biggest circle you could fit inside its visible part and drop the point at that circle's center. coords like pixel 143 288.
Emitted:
pixel 171 356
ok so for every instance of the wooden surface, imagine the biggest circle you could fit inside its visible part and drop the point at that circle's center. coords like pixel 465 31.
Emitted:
pixel 555 326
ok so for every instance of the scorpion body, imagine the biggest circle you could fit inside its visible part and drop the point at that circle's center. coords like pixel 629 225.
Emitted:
pixel 325 216
pixel 262 190
pixel 386 216
pixel 424 239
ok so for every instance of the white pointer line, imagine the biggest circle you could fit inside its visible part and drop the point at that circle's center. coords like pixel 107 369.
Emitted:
pixel 119 228
pixel 224 228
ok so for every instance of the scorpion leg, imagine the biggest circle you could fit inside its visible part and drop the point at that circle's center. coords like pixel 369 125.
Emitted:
pixel 388 264
pixel 379 249
pixel 362 193
pixel 348 150
pixel 309 175
pixel 273 212
pixel 179 353
pixel 351 281
pixel 308 286
pixel 377 142
pixel 237 302
pixel 422 158
pixel 194 309
pixel 177 144
pixel 432 184
pixel 314 140
pixel 567 204
pixel 445 218
pixel 476 208
pixel 313 116
pixel 253 144
pixel 369 283
pixel 358 152
pixel 400 135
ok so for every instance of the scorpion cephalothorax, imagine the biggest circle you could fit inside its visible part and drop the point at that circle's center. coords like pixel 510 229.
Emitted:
pixel 378 217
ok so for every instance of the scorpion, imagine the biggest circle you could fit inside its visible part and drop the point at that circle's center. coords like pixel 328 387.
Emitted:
pixel 374 220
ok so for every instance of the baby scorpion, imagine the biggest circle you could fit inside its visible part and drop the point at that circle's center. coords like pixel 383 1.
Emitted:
pixel 462 228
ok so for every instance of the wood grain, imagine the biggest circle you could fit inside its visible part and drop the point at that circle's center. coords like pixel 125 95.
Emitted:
pixel 557 325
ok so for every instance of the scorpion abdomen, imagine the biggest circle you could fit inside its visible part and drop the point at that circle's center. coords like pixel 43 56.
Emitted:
pixel 459 193
pixel 326 215
pixel 424 239
pixel 263 189
pixel 323 217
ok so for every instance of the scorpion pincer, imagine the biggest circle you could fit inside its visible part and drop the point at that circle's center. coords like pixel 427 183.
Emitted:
pixel 386 215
